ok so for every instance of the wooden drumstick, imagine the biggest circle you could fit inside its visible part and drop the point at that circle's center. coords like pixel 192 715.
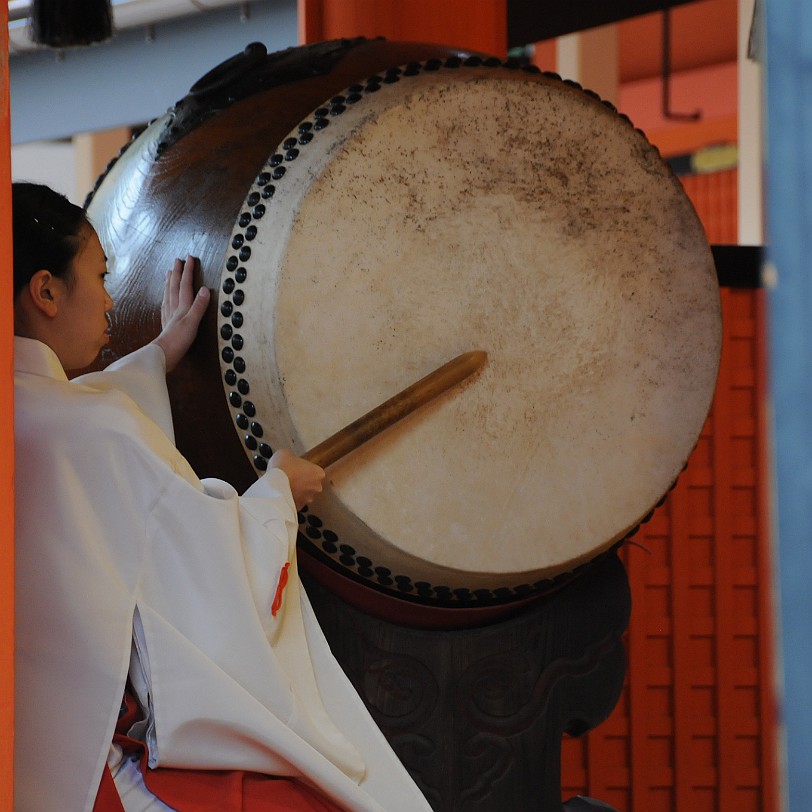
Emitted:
pixel 396 408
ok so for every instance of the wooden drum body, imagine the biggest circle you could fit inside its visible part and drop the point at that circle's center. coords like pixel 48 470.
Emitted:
pixel 365 226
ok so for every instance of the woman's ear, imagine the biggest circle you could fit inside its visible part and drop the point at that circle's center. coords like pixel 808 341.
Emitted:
pixel 44 291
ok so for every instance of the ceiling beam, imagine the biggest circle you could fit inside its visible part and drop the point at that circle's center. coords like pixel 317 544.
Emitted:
pixel 534 21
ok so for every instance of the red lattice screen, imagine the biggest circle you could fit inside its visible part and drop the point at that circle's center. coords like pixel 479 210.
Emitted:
pixel 695 728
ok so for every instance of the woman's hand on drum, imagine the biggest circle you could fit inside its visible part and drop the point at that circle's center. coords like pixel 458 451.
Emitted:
pixel 181 311
pixel 306 479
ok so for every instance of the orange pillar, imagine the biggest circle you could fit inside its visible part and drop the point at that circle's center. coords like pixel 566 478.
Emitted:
pixel 6 441
pixel 479 25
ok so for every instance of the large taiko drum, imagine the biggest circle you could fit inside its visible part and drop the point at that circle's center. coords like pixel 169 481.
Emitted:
pixel 427 204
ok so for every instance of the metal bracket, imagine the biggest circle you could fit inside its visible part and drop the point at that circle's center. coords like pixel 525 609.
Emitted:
pixel 666 74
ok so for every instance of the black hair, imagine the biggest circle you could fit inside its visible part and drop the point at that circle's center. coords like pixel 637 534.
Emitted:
pixel 47 232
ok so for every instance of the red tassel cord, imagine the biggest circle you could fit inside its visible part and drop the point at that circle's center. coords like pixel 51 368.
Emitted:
pixel 283 582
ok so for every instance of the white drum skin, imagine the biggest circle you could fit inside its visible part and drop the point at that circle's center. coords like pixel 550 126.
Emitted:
pixel 475 208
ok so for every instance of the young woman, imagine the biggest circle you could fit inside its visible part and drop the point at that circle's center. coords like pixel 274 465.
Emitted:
pixel 137 580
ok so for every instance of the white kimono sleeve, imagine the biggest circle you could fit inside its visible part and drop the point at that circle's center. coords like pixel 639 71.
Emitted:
pixel 142 376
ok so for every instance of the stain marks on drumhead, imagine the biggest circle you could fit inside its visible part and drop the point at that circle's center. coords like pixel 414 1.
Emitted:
pixel 236 376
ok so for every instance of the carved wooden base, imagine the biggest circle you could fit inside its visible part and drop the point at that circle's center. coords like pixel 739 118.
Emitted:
pixel 477 715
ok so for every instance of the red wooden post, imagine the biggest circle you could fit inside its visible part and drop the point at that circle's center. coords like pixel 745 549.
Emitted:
pixel 474 24
pixel 6 441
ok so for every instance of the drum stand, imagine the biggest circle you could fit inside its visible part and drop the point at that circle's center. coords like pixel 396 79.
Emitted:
pixel 477 714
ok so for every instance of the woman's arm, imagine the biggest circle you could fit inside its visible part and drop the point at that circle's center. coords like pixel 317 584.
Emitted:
pixel 181 311
pixel 306 479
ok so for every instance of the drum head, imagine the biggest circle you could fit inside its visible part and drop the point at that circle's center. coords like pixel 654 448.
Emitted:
pixel 436 210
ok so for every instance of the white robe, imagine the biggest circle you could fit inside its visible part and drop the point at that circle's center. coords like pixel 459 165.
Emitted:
pixel 110 519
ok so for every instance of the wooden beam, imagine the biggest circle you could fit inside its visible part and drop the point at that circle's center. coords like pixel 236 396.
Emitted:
pixel 532 21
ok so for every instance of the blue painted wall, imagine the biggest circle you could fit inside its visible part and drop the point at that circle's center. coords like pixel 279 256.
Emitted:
pixel 789 174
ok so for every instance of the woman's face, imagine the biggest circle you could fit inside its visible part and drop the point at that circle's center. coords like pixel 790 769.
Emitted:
pixel 84 327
